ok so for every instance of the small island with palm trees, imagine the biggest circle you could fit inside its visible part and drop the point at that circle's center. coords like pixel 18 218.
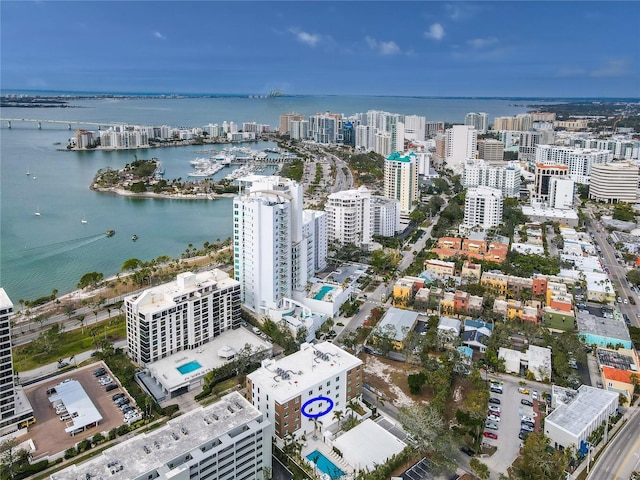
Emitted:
pixel 145 178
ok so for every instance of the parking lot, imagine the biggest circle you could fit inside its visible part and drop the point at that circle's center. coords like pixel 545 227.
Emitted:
pixel 48 432
pixel 511 412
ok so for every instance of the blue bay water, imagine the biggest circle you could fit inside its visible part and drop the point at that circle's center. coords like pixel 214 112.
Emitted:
pixel 53 250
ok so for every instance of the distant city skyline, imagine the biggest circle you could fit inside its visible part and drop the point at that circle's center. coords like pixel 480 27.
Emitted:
pixel 475 49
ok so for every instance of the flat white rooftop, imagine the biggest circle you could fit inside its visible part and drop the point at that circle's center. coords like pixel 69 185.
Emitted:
pixel 78 404
pixel 549 212
pixel 154 450
pixel 168 294
pixel 368 445
pixel 207 357
pixel 577 414
pixel 306 368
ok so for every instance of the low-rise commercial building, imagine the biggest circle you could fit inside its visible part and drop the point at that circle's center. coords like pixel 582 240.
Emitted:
pixel 573 421
pixel 601 331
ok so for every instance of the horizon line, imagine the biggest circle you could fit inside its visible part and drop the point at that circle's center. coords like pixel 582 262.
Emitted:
pixel 6 91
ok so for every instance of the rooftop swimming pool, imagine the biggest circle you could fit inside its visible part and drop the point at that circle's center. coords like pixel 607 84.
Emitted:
pixel 189 367
pixel 324 464
pixel 322 292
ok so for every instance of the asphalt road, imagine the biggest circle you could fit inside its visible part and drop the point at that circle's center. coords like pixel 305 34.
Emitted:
pixel 622 455
pixel 617 273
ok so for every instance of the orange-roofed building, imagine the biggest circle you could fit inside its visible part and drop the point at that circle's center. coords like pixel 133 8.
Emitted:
pixel 474 246
pixel 450 242
pixel 539 286
pixel 617 380
pixel 460 301
pixel 562 303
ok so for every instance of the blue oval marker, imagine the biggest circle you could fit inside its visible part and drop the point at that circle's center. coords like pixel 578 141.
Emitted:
pixel 303 410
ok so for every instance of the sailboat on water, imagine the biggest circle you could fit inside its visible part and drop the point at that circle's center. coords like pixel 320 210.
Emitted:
pixel 37 214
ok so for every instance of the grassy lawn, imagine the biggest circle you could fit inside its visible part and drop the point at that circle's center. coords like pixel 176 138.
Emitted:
pixel 52 346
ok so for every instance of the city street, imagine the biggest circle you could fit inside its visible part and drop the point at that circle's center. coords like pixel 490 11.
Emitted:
pixel 622 455
pixel 617 273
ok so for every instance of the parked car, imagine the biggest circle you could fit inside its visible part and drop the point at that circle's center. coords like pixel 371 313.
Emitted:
pixel 493 408
pixel 491 425
pixel 110 387
pixel 524 401
pixel 527 419
pixel 60 410
pixel 523 435
pixel 495 400
pixel 122 401
pixel 493 418
pixel 126 408
pixel 51 391
pixel 523 391
pixel 496 389
pixel 467 450
pixel 491 435
pixel 534 394
pixel 105 380
pixel 526 427
pixel 490 412
pixel 64 417
pixel 116 396
pixel 99 372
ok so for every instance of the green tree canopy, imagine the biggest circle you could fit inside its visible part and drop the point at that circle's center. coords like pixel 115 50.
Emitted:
pixel 539 462
pixel 90 279
pixel 131 264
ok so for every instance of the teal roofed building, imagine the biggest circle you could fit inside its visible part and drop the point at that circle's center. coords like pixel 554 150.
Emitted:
pixel 401 180
pixel 399 157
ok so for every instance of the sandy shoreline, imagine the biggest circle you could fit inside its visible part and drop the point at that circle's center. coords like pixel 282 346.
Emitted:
pixel 174 196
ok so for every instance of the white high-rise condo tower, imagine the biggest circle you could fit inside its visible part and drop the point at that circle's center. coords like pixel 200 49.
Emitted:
pixel 401 180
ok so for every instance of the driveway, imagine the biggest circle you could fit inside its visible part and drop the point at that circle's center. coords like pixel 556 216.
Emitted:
pixel 512 411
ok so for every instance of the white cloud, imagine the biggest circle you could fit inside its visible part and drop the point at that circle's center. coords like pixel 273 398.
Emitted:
pixel 478 43
pixel 159 35
pixel 311 39
pixel 435 32
pixel 384 48
pixel 459 10
pixel 618 67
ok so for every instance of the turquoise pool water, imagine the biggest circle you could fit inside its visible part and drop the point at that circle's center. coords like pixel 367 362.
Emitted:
pixel 324 464
pixel 322 292
pixel 189 367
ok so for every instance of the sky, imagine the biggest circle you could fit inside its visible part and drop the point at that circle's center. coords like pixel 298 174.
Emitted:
pixel 418 48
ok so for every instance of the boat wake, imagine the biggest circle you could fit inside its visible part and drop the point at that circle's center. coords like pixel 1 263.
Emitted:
pixel 41 252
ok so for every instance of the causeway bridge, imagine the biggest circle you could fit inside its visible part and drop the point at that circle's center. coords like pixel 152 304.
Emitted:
pixel 68 123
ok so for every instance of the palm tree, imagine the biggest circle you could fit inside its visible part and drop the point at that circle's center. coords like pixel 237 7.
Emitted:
pixel 352 406
pixel 316 422
pixel 338 415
